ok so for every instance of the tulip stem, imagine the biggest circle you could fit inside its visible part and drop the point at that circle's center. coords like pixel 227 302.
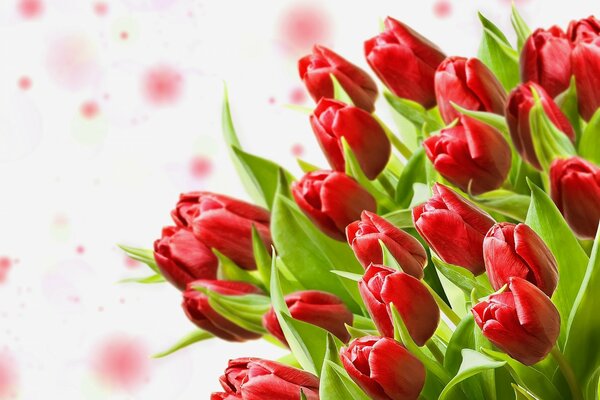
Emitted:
pixel 387 185
pixel 568 373
pixel 444 307
pixel 397 143
pixel 435 351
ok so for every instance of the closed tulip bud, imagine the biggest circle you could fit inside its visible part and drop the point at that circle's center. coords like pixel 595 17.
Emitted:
pixel 380 286
pixel 318 308
pixel 454 228
pixel 469 84
pixel 225 224
pixel 332 200
pixel 583 29
pixel 333 120
pixel 518 108
pixel 405 62
pixel 575 189
pixel 586 68
pixel 364 236
pixel 182 258
pixel 472 155
pixel 383 368
pixel 199 311
pixel 546 60
pixel 316 70
pixel 258 379
pixel 521 321
pixel 511 250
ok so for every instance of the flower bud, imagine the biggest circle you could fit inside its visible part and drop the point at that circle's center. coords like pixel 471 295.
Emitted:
pixel 575 189
pixel 585 59
pixel 405 62
pixel 511 250
pixel 469 84
pixel 454 228
pixel 332 200
pixel 182 258
pixel 318 308
pixel 546 60
pixel 225 224
pixel 316 69
pixel 258 379
pixel 381 286
pixel 520 102
pixel 587 28
pixel 472 155
pixel 198 309
pixel 522 321
pixel 364 236
pixel 333 120
pixel 383 368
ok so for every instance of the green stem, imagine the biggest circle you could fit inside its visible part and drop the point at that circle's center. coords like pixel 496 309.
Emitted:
pixel 387 185
pixel 435 351
pixel 444 307
pixel 397 143
pixel 567 371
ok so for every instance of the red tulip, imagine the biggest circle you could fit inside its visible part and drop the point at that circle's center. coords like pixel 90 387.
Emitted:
pixel 520 103
pixel 575 189
pixel 522 321
pixel 583 29
pixel 333 120
pixel 364 236
pixel 182 258
pixel 381 286
pixel 469 84
pixel 316 70
pixel 258 379
pixel 586 68
pixel 472 155
pixel 383 368
pixel 546 60
pixel 511 250
pixel 332 200
pixel 405 62
pixel 199 311
pixel 224 223
pixel 454 228
pixel 322 309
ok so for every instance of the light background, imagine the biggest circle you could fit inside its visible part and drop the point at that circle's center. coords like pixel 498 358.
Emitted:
pixel 109 109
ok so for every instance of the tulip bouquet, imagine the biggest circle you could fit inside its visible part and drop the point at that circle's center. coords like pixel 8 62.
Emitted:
pixel 451 257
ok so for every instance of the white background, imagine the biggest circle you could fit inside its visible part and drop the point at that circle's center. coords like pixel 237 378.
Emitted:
pixel 73 186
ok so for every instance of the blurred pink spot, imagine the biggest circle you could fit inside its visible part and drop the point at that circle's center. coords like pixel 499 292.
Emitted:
pixel 271 100
pixel 101 8
pixel 162 85
pixel 297 95
pixel 5 264
pixel 89 109
pixel 80 249
pixel 9 377
pixel 24 83
pixel 72 61
pixel 442 8
pixel 302 26
pixel 61 220
pixel 130 262
pixel 200 167
pixel 124 35
pixel 122 362
pixel 297 150
pixel 30 9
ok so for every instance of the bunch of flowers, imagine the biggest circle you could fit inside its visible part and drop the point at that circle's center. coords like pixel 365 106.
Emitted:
pixel 452 259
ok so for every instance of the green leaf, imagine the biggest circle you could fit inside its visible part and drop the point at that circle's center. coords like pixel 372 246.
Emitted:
pixel 589 144
pixel 412 111
pixel 413 172
pixel 229 271
pixel 400 218
pixel 339 93
pixel 494 120
pixel 262 258
pixel 145 256
pixel 505 202
pixel 305 166
pixel 568 103
pixel 472 364
pixel 527 377
pixel 495 52
pixel 194 337
pixel 461 277
pixel 156 278
pixel 520 26
pixel 310 255
pixel 522 394
pixel 348 275
pixel 582 347
pixel 545 219
pixel 388 257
